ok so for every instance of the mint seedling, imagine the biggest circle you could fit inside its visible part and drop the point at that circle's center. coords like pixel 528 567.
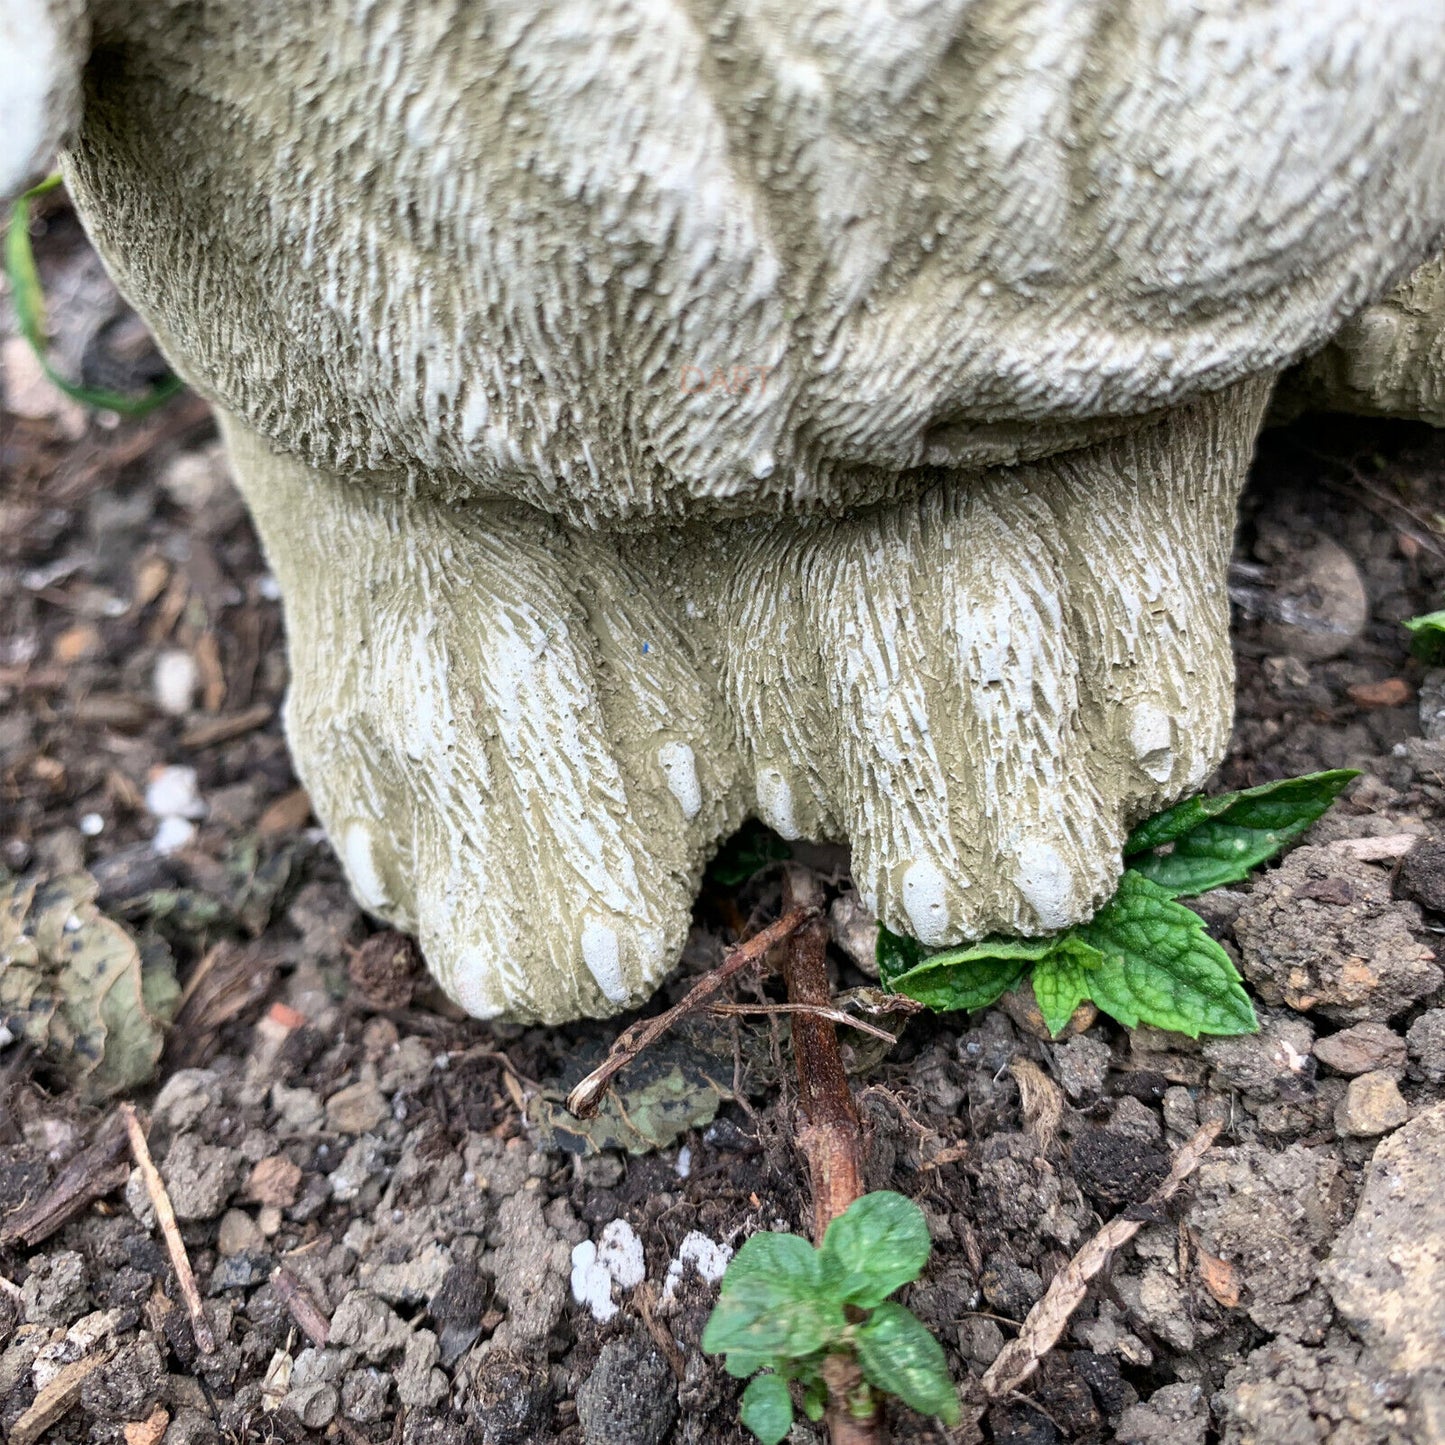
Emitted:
pixel 785 1307
pixel 1427 636
pixel 1143 958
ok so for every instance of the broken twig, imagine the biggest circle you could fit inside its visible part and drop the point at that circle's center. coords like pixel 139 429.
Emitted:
pixel 302 1308
pixel 584 1100
pixel 830 1136
pixel 55 1400
pixel 1047 1320
pixel 93 1173
pixel 833 1015
pixel 166 1218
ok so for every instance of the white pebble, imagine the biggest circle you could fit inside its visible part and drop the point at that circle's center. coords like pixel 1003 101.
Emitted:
pixel 174 793
pixel 172 835
pixel 194 480
pixel 175 681
pixel 620 1253
pixel 616 1260
pixel 591 1282
pixel 707 1256
pixel 6 1037
pixel 684 1161
pixel 92 825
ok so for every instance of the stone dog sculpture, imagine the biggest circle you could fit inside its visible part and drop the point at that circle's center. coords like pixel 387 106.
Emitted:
pixel 661 414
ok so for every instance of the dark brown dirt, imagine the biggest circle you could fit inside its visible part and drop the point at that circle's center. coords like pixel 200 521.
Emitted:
pixel 327 1124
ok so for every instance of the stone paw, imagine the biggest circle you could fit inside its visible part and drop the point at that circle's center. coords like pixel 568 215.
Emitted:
pixel 981 689
pixel 502 735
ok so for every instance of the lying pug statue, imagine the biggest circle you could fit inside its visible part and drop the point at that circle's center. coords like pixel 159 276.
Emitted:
pixel 660 415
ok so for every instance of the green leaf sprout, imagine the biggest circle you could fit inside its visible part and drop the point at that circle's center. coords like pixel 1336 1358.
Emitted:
pixel 784 1307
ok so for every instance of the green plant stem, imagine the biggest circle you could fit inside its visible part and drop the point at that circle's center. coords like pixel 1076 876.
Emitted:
pixel 830 1136
pixel 29 302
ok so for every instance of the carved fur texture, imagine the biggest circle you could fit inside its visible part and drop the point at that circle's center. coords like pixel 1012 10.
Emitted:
pixel 658 413
pixel 488 249
pixel 526 739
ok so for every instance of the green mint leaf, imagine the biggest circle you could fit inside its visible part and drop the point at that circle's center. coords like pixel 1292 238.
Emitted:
pixel 768 1265
pixel 771 1305
pixel 1160 967
pixel 773 1334
pixel 877 1245
pixel 899 1356
pixel 1214 841
pixel 896 954
pixel 1060 980
pixel 972 977
pixel 767 1408
pixel 1427 636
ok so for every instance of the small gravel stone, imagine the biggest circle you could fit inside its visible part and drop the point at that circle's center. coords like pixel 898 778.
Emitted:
pixel 1426 1044
pixel 980 1340
pixel 57 1290
pixel 1432 704
pixel 1328 606
pixel 321 1366
pixel 1387 1269
pixel 314 1405
pixel 174 792
pixel 185 1099
pixel 370 1325
pixel 171 835
pixel 357 1109
pixel 1422 874
pixel 238 1233
pixel 197 480
pixel 199 1177
pixel 175 681
pixel 1322 933
pixel 1265 1064
pixel 300 1110
pixel 364 1395
pixel 1362 1049
pixel 275 1181
pixel 420 1385
pixel 1180 1114
pixel 1372 1105
pixel 358 1166
pixel 855 931
pixel 1175 1415
pixel 630 1398
pixel 1082 1065
pixel 241 1271
pixel 191 1426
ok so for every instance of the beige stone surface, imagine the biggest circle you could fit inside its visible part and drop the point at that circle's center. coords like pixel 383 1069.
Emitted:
pixel 1387 1270
pixel 833 415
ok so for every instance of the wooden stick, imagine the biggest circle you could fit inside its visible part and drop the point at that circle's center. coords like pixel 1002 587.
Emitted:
pixel 833 1015
pixel 289 1290
pixel 166 1217
pixel 584 1100
pixel 93 1173
pixel 831 1136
